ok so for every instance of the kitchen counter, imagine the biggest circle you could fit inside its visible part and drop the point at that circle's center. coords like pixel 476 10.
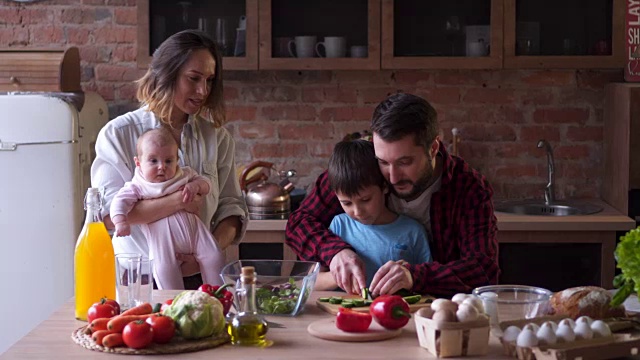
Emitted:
pixel 609 219
pixel 52 339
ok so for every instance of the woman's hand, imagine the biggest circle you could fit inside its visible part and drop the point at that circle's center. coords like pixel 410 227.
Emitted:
pixel 390 278
pixel 193 206
pixel 189 191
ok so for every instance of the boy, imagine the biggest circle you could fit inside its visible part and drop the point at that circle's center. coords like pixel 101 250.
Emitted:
pixel 376 233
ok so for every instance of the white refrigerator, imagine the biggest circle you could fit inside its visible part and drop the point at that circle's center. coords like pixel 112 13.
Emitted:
pixel 46 150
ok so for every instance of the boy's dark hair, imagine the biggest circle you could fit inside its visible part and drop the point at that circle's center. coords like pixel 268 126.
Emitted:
pixel 405 114
pixel 353 166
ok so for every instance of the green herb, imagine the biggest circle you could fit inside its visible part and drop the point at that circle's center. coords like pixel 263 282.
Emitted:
pixel 280 299
pixel 628 256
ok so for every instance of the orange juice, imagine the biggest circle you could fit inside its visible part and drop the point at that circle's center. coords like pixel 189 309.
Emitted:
pixel 95 272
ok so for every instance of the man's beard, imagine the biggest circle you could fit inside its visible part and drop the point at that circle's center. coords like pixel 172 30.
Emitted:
pixel 417 188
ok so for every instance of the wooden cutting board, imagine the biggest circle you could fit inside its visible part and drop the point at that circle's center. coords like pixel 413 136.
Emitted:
pixel 333 308
pixel 326 329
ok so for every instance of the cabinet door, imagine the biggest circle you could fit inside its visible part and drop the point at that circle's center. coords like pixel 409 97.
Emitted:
pixel 320 34
pixel 442 34
pixel 564 34
pixel 232 24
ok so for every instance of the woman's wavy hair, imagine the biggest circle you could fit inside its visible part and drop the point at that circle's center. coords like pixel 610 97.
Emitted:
pixel 156 88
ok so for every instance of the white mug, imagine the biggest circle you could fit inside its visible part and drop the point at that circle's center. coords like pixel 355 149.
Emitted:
pixel 334 47
pixel 359 51
pixel 302 46
pixel 477 48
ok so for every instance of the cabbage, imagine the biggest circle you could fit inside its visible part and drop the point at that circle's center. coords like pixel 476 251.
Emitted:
pixel 197 314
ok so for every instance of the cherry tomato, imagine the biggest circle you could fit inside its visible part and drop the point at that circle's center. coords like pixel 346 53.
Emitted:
pixel 100 310
pixel 165 305
pixel 352 321
pixel 137 334
pixel 163 328
pixel 114 304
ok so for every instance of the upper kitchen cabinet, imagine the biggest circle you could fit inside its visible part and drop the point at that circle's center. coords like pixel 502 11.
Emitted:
pixel 320 34
pixel 564 34
pixel 442 34
pixel 232 24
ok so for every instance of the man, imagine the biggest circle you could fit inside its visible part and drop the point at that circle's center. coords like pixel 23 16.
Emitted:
pixel 452 201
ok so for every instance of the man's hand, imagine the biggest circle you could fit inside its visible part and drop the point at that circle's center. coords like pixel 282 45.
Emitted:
pixel 390 278
pixel 348 271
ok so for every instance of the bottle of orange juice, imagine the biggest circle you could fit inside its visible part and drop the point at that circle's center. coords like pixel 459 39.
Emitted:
pixel 95 270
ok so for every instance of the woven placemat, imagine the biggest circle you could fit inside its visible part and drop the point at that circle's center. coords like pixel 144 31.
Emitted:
pixel 177 344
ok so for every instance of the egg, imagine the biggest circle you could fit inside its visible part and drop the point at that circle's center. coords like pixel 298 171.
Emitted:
pixel 444 315
pixel 569 322
pixel 553 325
pixel 546 335
pixel 600 329
pixel 511 333
pixel 565 333
pixel 583 331
pixel 459 298
pixel 532 326
pixel 527 338
pixel 438 304
pixel 584 319
pixel 475 302
pixel 467 313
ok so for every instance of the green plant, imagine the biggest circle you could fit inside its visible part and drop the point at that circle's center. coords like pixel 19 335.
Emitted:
pixel 628 257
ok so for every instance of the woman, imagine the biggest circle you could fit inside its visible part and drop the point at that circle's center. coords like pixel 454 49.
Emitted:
pixel 182 92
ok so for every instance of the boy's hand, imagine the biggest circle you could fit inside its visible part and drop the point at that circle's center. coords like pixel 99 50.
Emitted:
pixel 123 229
pixel 390 278
pixel 189 192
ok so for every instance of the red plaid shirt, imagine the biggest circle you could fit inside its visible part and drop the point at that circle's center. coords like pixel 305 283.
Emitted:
pixel 464 229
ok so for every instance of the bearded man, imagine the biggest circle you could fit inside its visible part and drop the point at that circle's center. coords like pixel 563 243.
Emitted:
pixel 452 200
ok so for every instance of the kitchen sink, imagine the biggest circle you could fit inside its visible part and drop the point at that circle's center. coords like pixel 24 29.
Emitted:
pixel 538 207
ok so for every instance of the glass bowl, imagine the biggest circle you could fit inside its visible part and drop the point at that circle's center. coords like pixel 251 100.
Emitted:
pixel 513 302
pixel 282 286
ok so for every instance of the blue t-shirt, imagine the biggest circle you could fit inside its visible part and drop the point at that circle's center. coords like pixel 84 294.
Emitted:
pixel 403 239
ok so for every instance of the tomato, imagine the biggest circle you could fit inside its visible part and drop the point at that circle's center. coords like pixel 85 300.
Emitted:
pixel 100 310
pixel 137 334
pixel 114 304
pixel 390 311
pixel 352 321
pixel 166 305
pixel 219 292
pixel 163 328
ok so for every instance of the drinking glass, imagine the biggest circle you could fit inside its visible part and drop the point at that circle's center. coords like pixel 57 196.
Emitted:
pixel 453 32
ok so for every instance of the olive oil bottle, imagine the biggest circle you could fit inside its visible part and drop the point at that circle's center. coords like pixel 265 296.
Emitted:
pixel 247 326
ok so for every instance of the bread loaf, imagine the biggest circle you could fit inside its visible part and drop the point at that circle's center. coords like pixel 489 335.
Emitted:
pixel 589 301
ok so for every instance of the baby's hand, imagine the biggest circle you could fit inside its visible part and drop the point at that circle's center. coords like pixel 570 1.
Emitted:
pixel 123 229
pixel 190 190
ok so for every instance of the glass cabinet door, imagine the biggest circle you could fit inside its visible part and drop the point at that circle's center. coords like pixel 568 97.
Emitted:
pixel 232 24
pixel 442 34
pixel 564 34
pixel 319 34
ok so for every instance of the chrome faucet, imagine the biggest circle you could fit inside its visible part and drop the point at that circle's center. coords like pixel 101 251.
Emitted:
pixel 549 191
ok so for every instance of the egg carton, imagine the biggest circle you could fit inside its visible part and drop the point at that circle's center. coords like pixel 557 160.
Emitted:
pixel 615 346
pixel 452 339
pixel 589 349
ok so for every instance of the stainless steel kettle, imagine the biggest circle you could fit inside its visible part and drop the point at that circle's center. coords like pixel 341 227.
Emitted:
pixel 266 200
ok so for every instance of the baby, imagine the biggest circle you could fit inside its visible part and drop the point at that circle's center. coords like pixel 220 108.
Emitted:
pixel 157 174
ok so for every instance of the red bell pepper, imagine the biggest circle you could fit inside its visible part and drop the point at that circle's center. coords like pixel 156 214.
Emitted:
pixel 352 321
pixel 219 292
pixel 390 311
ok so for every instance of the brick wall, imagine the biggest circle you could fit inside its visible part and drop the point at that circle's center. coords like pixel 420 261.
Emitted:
pixel 293 118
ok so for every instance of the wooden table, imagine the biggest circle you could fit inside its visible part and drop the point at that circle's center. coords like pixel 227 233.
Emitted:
pixel 52 339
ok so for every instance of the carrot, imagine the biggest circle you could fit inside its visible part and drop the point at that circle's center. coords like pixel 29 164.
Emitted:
pixel 99 324
pixel 117 323
pixel 142 309
pixel 99 336
pixel 113 340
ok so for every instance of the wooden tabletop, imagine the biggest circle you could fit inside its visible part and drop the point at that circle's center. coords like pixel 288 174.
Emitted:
pixel 52 339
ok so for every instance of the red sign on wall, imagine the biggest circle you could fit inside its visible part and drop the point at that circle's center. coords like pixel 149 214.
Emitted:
pixel 632 34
